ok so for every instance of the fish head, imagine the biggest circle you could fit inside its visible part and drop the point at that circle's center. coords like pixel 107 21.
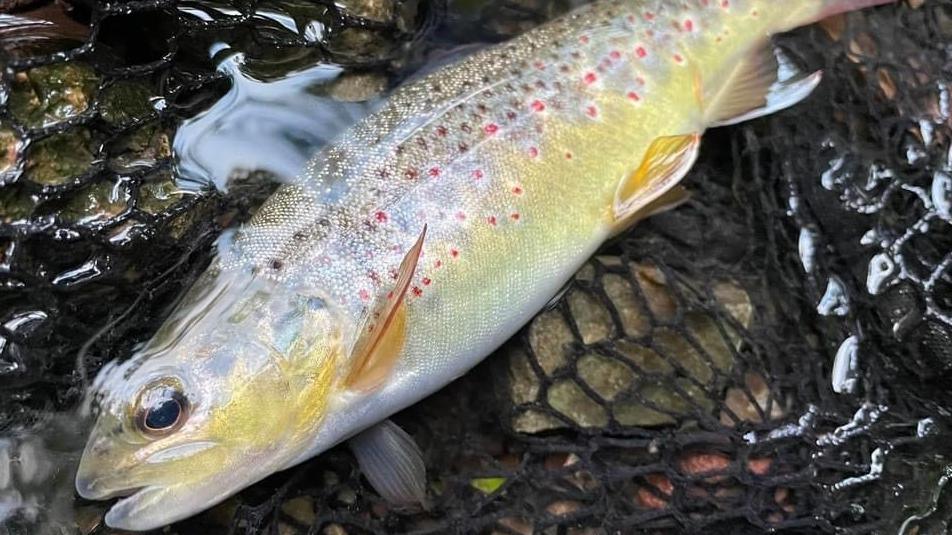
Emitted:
pixel 185 424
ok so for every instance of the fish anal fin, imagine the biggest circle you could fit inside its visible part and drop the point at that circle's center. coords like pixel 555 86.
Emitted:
pixel 392 462
pixel 383 332
pixel 753 88
pixel 665 163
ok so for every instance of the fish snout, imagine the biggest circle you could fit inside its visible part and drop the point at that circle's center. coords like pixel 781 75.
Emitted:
pixel 91 487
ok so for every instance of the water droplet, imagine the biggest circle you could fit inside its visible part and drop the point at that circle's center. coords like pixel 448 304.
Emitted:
pixel 807 246
pixel 942 195
pixel 845 373
pixel 830 177
pixel 835 301
pixel 882 271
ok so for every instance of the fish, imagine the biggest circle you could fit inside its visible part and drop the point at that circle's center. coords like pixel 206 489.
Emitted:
pixel 419 241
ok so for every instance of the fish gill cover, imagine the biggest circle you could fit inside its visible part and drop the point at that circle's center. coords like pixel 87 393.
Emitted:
pixel 771 355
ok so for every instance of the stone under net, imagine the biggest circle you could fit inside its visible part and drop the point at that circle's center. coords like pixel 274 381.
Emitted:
pixel 769 356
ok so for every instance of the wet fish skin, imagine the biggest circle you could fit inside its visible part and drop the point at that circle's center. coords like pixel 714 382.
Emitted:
pixel 515 160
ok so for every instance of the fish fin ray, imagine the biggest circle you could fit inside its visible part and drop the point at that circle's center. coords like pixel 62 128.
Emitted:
pixel 392 462
pixel 665 163
pixel 383 332
pixel 753 88
pixel 668 200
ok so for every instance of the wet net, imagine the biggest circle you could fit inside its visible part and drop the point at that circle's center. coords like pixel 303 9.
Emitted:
pixel 769 356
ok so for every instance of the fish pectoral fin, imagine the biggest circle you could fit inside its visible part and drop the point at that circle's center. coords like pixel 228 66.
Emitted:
pixel 383 331
pixel 392 462
pixel 665 163
pixel 753 88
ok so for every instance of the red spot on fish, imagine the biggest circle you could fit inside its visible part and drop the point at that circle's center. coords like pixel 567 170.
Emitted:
pixel 641 52
pixel 678 58
pixel 634 97
pixel 441 131
pixel 539 65
pixel 426 281
pixel 640 80
pixel 725 4
pixel 438 264
pixel 478 174
pixel 492 220
pixel 517 190
pixel 515 216
pixel 381 217
pixel 590 78
pixel 533 152
pixel 614 54
pixel 591 111
pixel 510 115
pixel 417 291
pixel 434 171
pixel 538 105
pixel 649 15
pixel 411 174
pixel 583 39
pixel 460 216
pixel 389 295
pixel 491 128
pixel 689 25
pixel 364 295
pixel 454 253
pixel 568 155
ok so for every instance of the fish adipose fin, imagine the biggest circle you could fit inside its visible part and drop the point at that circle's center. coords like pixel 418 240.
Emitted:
pixel 392 462
pixel 383 331
pixel 756 86
pixel 665 163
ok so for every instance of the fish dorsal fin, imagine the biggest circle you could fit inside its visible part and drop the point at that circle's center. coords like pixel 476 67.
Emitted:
pixel 754 88
pixel 382 333
pixel 665 163
pixel 392 462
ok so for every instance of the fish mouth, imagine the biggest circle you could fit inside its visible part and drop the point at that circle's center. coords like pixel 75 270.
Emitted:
pixel 92 488
pixel 133 511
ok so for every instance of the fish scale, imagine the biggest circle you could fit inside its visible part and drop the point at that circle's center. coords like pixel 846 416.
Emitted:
pixel 421 240
pixel 428 168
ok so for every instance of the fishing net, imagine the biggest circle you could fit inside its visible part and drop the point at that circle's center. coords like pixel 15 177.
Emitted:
pixel 769 356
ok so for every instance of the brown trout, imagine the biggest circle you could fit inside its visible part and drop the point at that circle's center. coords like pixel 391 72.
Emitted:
pixel 421 240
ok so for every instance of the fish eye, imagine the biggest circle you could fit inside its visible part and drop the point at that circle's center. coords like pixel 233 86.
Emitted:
pixel 161 409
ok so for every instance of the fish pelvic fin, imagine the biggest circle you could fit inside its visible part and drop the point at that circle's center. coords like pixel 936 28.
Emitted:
pixel 835 7
pixel 383 331
pixel 668 200
pixel 664 164
pixel 392 462
pixel 753 87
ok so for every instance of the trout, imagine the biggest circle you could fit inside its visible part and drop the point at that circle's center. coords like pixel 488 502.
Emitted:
pixel 419 241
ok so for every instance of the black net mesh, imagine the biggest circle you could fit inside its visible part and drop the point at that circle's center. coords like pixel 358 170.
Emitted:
pixel 770 355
